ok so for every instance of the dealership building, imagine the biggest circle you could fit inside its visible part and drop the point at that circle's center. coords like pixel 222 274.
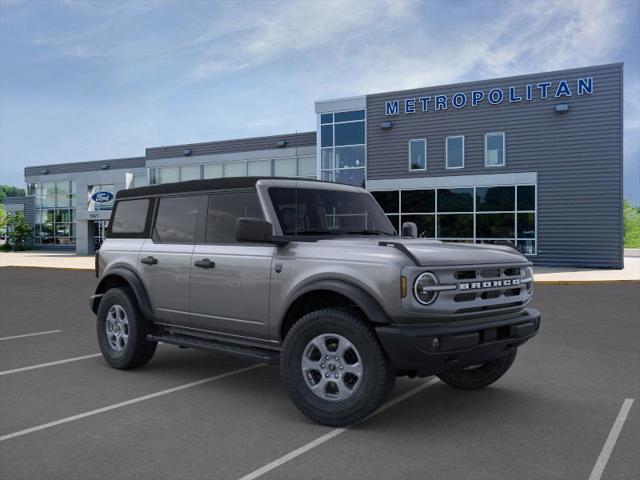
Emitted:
pixel 532 160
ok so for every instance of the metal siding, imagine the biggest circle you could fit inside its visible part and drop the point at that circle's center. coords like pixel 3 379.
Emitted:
pixel 115 164
pixel 577 155
pixel 232 146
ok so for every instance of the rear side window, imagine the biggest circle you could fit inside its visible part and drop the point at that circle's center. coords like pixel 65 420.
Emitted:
pixel 130 217
pixel 224 210
pixel 176 220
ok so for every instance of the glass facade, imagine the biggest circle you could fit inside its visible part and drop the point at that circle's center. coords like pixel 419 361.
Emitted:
pixel 54 212
pixel 491 214
pixel 343 147
pixel 299 167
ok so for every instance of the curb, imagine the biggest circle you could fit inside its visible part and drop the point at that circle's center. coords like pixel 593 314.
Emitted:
pixel 79 269
pixel 587 282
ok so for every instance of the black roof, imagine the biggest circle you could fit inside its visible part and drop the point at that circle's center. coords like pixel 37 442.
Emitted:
pixel 198 186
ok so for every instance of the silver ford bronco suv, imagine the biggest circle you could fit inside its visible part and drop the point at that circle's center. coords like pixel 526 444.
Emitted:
pixel 310 275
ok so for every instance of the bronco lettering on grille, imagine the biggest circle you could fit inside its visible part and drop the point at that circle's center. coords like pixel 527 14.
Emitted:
pixel 490 284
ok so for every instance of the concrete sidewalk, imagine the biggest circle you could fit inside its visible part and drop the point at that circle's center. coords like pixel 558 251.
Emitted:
pixel 543 275
pixel 47 259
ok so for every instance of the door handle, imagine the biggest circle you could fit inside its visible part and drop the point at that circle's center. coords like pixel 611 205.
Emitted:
pixel 149 260
pixel 204 263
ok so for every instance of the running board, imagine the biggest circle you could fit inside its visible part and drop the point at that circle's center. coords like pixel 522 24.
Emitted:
pixel 263 355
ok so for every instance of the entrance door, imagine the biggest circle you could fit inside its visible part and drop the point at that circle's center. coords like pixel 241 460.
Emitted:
pixel 99 231
pixel 230 280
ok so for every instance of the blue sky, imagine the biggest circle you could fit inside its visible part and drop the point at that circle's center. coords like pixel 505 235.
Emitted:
pixel 87 80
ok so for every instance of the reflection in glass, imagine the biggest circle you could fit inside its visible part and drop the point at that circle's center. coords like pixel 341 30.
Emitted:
pixel 495 225
pixel 455 200
pixel 495 199
pixel 418 201
pixel 426 224
pixel 455 226
pixel 389 201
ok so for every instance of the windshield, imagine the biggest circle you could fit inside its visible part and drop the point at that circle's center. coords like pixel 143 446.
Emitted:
pixel 310 211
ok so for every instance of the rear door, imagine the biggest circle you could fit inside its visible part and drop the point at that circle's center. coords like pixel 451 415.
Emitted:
pixel 230 280
pixel 165 259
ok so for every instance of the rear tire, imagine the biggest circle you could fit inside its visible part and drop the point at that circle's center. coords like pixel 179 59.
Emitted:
pixel 122 331
pixel 476 377
pixel 334 369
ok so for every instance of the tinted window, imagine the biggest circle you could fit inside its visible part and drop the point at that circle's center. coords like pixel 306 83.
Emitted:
pixel 455 200
pixel 327 135
pixel 349 116
pixel 495 199
pixel 418 201
pixel 349 133
pixel 130 216
pixel 389 201
pixel 494 149
pixel 495 225
pixel 527 197
pixel 455 226
pixel 224 209
pixel 326 118
pixel 176 220
pixel 417 154
pixel 455 152
pixel 426 224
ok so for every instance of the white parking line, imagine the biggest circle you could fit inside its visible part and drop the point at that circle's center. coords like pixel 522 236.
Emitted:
pixel 49 364
pixel 29 335
pixel 601 463
pixel 126 403
pixel 333 433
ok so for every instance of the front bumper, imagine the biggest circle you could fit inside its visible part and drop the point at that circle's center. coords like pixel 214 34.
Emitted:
pixel 432 349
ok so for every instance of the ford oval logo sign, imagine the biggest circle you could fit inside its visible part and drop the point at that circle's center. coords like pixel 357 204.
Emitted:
pixel 102 197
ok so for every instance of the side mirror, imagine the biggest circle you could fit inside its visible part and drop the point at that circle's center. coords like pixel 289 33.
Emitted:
pixel 409 230
pixel 256 230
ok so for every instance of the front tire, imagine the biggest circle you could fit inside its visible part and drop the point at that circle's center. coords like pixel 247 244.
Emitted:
pixel 479 376
pixel 334 369
pixel 122 331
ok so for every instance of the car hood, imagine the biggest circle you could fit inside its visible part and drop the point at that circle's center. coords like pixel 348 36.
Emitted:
pixel 436 253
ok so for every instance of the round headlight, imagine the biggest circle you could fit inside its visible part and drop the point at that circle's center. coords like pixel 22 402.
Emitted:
pixel 529 274
pixel 422 288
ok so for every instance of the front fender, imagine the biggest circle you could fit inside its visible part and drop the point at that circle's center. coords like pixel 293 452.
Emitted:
pixel 115 277
pixel 369 306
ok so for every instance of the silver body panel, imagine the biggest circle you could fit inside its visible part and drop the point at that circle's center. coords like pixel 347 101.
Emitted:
pixel 248 292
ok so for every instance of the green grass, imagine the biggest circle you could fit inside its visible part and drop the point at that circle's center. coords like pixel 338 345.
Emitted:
pixel 631 225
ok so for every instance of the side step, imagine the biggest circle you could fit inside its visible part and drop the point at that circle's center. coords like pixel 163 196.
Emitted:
pixel 263 355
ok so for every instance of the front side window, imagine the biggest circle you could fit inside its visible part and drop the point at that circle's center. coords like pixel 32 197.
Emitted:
pixel 455 152
pixel 418 154
pixel 308 211
pixel 494 146
pixel 223 211
pixel 176 220
pixel 130 216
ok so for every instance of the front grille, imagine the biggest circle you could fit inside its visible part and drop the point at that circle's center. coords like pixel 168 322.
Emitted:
pixel 482 288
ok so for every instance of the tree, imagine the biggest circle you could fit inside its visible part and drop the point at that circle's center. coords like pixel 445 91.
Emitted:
pixel 3 218
pixel 631 225
pixel 10 191
pixel 17 231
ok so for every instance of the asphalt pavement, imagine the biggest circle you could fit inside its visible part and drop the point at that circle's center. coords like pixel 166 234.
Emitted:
pixel 65 414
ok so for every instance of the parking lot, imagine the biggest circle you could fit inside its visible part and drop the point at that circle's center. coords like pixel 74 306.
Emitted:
pixel 560 413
